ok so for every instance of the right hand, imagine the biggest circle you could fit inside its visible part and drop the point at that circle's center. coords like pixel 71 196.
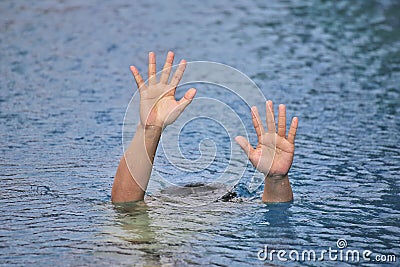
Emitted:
pixel 158 106
pixel 272 159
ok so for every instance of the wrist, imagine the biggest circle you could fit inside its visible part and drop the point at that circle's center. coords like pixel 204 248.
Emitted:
pixel 277 189
pixel 152 125
pixel 276 177
pixel 151 128
pixel 149 131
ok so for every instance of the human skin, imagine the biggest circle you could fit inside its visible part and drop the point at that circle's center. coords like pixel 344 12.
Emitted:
pixel 273 155
pixel 158 109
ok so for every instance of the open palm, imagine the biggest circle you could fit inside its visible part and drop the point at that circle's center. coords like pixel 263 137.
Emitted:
pixel 158 106
pixel 273 155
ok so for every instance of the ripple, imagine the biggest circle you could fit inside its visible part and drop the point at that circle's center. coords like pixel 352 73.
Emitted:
pixel 65 85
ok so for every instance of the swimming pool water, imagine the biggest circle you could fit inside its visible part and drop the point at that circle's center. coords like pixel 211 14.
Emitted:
pixel 65 85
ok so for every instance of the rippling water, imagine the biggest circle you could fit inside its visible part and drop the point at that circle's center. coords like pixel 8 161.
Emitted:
pixel 65 85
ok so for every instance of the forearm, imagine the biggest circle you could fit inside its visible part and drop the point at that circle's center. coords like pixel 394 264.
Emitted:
pixel 277 189
pixel 135 166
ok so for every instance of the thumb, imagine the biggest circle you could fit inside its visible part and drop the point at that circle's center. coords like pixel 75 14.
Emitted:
pixel 245 145
pixel 187 98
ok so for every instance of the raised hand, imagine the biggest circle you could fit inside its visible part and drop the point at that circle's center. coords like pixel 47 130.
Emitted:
pixel 158 106
pixel 273 155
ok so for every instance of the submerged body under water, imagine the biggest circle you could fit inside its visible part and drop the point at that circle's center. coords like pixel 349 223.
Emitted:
pixel 66 84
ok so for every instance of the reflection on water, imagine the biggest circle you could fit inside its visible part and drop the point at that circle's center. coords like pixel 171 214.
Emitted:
pixel 65 86
pixel 134 219
pixel 163 235
pixel 133 225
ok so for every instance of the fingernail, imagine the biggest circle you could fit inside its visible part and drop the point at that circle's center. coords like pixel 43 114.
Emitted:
pixel 192 93
pixel 134 70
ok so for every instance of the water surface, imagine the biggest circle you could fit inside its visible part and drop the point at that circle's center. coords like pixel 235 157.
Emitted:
pixel 65 85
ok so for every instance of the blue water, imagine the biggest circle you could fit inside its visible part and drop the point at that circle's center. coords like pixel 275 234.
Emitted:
pixel 65 85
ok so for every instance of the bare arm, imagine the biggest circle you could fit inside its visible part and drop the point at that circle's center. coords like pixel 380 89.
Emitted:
pixel 272 159
pixel 158 108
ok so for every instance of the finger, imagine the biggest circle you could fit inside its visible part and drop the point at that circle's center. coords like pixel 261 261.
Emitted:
pixel 282 120
pixel 293 130
pixel 187 98
pixel 270 117
pixel 245 145
pixel 152 68
pixel 257 123
pixel 138 78
pixel 167 68
pixel 178 74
